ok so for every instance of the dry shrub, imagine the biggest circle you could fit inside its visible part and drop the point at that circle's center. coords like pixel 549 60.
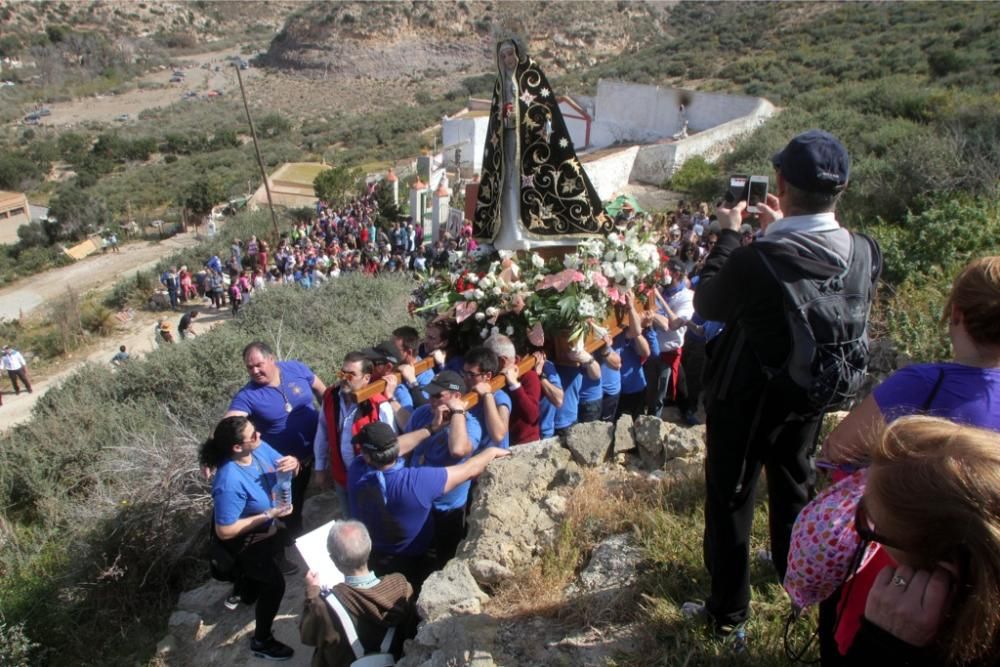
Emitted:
pixel 604 503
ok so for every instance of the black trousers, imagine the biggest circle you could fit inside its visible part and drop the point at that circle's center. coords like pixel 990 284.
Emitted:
pixel 609 408
pixel 299 483
pixel 745 435
pixel 22 375
pixel 262 581
pixel 633 404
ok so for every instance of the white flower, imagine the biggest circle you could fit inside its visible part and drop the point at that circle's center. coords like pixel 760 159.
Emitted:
pixel 479 293
pixel 631 269
pixel 486 282
pixel 587 307
pixel 495 331
pixel 492 311
pixel 537 261
pixel 510 330
pixel 484 333
pixel 609 256
pixel 497 291
pixel 469 295
pixel 564 142
pixel 480 316
pixel 608 269
pixel 471 278
pixel 571 261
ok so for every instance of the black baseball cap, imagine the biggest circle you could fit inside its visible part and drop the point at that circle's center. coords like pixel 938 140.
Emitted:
pixel 814 161
pixel 385 351
pixel 376 438
pixel 445 381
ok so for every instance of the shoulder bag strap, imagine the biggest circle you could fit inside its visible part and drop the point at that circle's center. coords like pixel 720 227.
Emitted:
pixel 350 632
pixel 387 641
pixel 934 392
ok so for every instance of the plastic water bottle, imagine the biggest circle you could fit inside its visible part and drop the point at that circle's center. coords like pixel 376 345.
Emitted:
pixel 283 489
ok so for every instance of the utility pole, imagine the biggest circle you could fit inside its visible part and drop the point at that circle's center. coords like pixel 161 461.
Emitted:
pixel 256 148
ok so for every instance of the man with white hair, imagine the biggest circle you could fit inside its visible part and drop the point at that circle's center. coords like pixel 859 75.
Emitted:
pixel 374 604
pixel 525 392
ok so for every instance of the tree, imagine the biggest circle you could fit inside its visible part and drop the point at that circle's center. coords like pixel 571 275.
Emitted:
pixel 337 186
pixel 76 214
pixel 201 197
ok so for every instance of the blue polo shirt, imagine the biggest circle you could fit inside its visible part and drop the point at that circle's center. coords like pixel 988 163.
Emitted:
pixel 611 378
pixel 633 379
pixel 291 433
pixel 590 389
pixel 547 411
pixel 395 509
pixel 433 452
pixel 572 380
pixel 501 398
pixel 242 491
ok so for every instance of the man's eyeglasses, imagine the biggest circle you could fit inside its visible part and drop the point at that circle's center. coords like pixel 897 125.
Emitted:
pixel 347 375
pixel 865 529
pixel 472 374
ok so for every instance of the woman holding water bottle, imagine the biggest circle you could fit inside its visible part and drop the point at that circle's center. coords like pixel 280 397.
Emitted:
pixel 248 500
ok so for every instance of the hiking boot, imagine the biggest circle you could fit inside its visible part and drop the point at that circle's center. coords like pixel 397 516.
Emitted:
pixel 271 649
pixel 232 602
pixel 733 636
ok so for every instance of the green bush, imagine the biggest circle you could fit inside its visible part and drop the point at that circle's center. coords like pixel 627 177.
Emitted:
pixel 697 178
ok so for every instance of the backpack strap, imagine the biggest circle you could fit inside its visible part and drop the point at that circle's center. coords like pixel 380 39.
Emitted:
pixel 387 640
pixel 350 632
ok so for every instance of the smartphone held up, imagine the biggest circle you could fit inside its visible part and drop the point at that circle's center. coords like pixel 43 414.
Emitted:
pixel 751 189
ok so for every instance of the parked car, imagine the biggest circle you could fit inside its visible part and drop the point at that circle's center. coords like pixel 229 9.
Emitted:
pixel 44 111
pixel 122 117
pixel 176 79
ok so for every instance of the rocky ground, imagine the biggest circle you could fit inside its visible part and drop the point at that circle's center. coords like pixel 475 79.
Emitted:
pixel 516 509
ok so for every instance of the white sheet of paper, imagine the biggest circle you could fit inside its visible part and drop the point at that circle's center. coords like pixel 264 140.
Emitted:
pixel 312 547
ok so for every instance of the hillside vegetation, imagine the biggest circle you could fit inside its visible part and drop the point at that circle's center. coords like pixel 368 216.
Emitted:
pixel 101 503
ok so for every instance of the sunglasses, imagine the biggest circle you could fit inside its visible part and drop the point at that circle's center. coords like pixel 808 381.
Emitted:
pixel 347 375
pixel 865 529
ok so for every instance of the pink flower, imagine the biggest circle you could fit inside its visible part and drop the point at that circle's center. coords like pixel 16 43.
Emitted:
pixel 464 310
pixel 537 335
pixel 598 279
pixel 562 280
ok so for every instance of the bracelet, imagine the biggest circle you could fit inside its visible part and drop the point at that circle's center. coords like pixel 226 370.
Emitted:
pixel 457 412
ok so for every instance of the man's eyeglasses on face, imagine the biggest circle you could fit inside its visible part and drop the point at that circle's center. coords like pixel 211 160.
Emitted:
pixel 472 374
pixel 347 375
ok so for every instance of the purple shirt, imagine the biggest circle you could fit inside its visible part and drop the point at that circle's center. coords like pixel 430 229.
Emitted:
pixel 964 394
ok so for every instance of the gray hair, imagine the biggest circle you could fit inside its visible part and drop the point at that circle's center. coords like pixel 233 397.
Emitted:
pixel 501 346
pixel 349 545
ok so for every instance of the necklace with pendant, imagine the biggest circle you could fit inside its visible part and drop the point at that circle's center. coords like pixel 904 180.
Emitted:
pixel 288 405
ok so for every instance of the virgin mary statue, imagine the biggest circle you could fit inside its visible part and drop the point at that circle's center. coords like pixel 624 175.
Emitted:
pixel 533 191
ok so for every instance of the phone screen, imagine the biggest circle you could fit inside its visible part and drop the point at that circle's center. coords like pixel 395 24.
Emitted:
pixel 757 194
pixel 737 189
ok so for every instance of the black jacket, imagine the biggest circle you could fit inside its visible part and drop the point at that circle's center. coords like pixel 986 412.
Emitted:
pixel 736 288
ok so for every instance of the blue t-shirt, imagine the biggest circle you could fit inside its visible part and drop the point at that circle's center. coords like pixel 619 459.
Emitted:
pixel 242 491
pixel 633 379
pixel 547 411
pixel 501 398
pixel 291 433
pixel 590 389
pixel 611 378
pixel 433 451
pixel 398 518
pixel 402 396
pixel 572 379
pixel 966 394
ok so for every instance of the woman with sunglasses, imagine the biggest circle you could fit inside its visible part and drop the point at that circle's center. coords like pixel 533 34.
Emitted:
pixel 246 509
pixel 932 501
pixel 966 390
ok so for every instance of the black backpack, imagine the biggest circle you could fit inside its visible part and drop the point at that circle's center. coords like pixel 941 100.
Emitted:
pixel 827 319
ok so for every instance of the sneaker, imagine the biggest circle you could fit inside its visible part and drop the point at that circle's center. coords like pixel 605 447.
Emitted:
pixel 287 567
pixel 233 602
pixel 764 556
pixel 734 636
pixel 271 649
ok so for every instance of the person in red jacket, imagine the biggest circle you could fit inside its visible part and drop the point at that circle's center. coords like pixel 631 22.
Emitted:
pixel 342 418
pixel 525 393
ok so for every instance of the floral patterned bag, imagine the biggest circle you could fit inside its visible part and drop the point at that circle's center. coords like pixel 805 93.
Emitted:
pixel 824 543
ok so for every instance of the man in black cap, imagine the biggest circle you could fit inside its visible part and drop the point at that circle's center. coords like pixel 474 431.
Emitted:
pixel 395 501
pixel 754 421
pixel 386 358
pixel 455 435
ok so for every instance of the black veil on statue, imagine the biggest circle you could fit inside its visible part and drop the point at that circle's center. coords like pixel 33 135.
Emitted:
pixel 556 199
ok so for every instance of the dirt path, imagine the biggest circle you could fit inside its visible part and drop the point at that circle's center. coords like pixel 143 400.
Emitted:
pixel 197 79
pixel 98 270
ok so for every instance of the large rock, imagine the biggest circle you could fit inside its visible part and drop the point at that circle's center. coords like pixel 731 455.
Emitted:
pixel 624 440
pixel 613 567
pixel 589 442
pixel 456 641
pixel 449 592
pixel 510 520
pixel 660 441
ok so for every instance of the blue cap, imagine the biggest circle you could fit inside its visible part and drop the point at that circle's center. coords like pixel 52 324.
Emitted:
pixel 814 161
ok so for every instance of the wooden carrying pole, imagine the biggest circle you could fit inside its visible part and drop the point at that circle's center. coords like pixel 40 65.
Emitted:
pixel 378 386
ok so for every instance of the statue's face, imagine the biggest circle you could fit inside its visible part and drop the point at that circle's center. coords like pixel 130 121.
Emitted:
pixel 508 56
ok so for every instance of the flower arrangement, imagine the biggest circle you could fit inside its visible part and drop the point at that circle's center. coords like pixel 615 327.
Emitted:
pixel 524 296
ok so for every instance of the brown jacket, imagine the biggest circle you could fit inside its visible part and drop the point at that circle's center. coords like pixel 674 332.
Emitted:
pixel 374 610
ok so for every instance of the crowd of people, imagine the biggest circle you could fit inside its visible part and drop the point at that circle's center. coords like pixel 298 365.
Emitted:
pixel 403 459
